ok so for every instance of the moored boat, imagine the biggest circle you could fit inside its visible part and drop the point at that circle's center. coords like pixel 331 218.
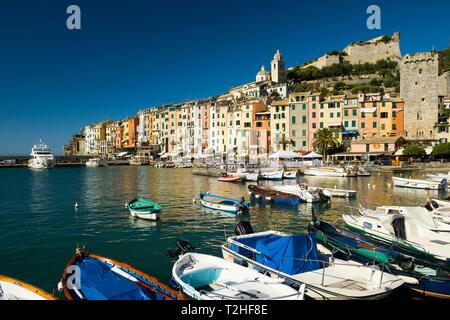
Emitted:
pixel 245 174
pixel 205 277
pixel 13 289
pixel 272 195
pixel 91 277
pixel 419 183
pixel 407 228
pixel 272 175
pixel 144 209
pixel 299 260
pixel 355 246
pixel 305 193
pixel 96 162
pixel 225 204
pixel 325 172
pixel 42 158
pixel 290 174
pixel 230 179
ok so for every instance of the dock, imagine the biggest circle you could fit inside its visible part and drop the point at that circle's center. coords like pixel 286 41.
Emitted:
pixel 209 172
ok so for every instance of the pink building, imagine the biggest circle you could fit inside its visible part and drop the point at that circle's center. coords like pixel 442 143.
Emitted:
pixel 376 146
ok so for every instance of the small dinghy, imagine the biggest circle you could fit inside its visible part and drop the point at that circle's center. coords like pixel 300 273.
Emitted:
pixel 230 179
pixel 205 277
pixel 144 209
pixel 13 289
pixel 272 195
pixel 216 202
pixel 102 278
pixel 290 174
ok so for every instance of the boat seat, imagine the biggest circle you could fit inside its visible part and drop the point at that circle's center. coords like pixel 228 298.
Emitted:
pixel 348 284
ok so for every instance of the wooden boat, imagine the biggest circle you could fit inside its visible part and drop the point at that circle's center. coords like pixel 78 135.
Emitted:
pixel 13 289
pixel 299 260
pixel 217 202
pixel 230 179
pixel 271 175
pixel 419 183
pixel 305 193
pixel 205 277
pixel 407 228
pixel 144 209
pixel 414 272
pixel 325 172
pixel 272 195
pixel 102 278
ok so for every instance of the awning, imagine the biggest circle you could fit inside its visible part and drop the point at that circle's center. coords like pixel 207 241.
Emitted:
pixel 312 155
pixel 350 132
pixel 368 110
pixel 285 155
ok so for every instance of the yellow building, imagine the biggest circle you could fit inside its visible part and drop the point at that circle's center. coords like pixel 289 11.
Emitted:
pixel 279 125
pixel 330 115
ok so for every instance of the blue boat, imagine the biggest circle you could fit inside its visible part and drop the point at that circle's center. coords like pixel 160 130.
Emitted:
pixel 102 278
pixel 431 281
pixel 216 202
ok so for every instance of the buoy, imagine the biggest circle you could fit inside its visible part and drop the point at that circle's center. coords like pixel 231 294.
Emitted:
pixel 126 205
pixel 335 186
pixel 368 185
pixel 76 204
pixel 193 200
pixel 374 186
pixel 389 185
pixel 60 287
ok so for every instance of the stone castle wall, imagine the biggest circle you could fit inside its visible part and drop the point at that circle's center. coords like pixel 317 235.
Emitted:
pixel 444 84
pixel 374 50
pixel 419 89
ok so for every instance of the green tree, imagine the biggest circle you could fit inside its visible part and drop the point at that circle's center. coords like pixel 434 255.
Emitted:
pixel 325 141
pixel 414 150
pixel 441 150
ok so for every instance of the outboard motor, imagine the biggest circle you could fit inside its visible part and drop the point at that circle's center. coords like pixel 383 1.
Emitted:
pixel 184 246
pixel 242 228
pixel 243 206
pixel 429 206
pixel 398 223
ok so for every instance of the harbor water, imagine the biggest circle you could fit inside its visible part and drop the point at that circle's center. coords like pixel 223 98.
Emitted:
pixel 40 226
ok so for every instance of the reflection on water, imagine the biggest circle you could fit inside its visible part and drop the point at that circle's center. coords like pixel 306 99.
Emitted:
pixel 40 227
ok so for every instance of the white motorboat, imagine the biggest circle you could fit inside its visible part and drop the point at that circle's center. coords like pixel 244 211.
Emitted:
pixel 325 172
pixel 13 289
pixel 299 260
pixel 271 175
pixel 205 277
pixel 340 193
pixel 245 174
pixel 42 158
pixel 290 174
pixel 305 193
pixel 96 162
pixel 414 228
pixel 419 183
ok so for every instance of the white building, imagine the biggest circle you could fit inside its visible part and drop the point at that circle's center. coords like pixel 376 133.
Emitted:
pixel 89 138
pixel 142 128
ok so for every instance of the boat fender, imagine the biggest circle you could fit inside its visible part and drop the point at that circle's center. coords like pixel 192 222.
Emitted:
pixel 60 287
pixel 409 280
pixel 434 204
pixel 243 228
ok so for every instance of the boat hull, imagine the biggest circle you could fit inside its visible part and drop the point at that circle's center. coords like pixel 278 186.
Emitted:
pixel 419 184
pixel 274 175
pixel 324 172
pixel 13 289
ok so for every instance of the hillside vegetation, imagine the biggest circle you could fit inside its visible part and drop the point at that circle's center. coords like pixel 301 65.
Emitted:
pixel 444 60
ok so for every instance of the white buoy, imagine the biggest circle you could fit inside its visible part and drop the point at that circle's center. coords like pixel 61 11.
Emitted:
pixel 126 205
pixel 193 200
pixel 368 185
pixel 76 204
pixel 374 186
pixel 389 185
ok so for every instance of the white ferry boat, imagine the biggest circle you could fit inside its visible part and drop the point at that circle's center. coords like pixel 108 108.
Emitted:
pixel 42 157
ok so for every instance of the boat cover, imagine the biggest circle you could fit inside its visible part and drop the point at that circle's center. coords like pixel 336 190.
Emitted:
pixel 289 254
pixel 99 282
pixel 251 242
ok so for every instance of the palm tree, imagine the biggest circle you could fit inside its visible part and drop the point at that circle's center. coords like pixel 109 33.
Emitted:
pixel 324 141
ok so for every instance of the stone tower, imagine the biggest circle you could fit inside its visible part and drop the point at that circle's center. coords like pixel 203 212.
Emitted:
pixel 278 73
pixel 419 89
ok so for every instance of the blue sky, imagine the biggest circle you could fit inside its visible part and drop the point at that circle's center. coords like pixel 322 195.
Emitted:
pixel 138 53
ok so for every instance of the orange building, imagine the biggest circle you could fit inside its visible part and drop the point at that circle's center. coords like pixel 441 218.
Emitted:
pixel 261 128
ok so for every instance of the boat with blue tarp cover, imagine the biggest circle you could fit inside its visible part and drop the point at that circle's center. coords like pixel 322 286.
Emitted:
pixel 300 260
pixel 217 202
pixel 102 278
pixel 424 277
